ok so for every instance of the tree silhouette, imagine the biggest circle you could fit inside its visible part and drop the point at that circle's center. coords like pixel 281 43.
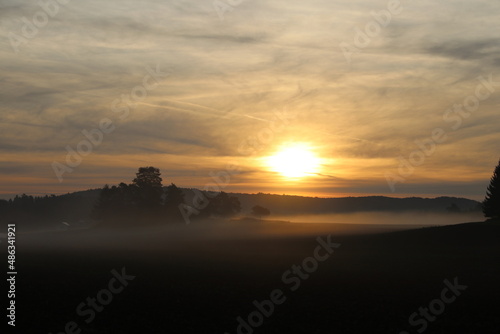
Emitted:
pixel 149 190
pixel 116 203
pixel 260 211
pixel 491 204
pixel 224 205
pixel 148 177
pixel 173 198
pixel 132 203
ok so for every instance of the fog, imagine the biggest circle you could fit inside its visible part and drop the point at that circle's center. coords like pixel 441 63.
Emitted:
pixel 387 218
pixel 211 232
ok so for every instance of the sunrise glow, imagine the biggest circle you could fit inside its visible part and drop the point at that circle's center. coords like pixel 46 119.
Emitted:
pixel 295 161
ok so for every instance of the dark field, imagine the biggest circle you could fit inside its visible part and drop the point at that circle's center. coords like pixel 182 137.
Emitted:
pixel 196 280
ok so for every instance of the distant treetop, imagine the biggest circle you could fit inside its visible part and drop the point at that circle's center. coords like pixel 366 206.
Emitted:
pixel 148 177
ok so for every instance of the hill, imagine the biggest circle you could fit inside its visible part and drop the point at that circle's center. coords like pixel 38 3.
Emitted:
pixel 76 207
pixel 286 204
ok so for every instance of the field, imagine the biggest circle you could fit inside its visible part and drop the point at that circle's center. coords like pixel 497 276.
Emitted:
pixel 201 278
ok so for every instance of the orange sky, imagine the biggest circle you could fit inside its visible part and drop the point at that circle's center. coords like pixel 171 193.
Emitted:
pixel 411 108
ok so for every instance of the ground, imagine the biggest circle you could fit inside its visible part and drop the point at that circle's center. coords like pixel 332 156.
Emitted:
pixel 197 284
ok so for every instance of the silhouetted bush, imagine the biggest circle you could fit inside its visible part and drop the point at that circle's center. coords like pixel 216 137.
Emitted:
pixel 260 211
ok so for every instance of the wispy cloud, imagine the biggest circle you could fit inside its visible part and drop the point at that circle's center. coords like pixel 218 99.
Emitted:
pixel 227 78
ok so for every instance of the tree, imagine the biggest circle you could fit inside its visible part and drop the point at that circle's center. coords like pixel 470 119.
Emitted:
pixel 140 201
pixel 148 177
pixel 173 198
pixel 116 203
pixel 149 190
pixel 224 205
pixel 260 211
pixel 491 203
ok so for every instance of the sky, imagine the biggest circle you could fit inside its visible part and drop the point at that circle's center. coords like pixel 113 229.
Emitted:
pixel 395 98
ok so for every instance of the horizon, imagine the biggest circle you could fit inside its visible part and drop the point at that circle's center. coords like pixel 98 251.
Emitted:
pixel 326 196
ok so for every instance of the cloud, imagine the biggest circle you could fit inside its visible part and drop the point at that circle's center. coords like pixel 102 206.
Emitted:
pixel 228 79
pixel 484 50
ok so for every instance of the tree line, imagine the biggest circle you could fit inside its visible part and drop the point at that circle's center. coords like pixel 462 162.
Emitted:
pixel 45 209
pixel 145 199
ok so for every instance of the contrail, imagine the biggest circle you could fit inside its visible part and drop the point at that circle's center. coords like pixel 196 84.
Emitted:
pixel 326 175
pixel 359 139
pixel 257 118
pixel 355 138
pixel 174 108
pixel 193 104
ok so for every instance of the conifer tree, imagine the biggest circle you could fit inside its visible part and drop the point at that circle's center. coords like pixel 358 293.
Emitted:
pixel 491 204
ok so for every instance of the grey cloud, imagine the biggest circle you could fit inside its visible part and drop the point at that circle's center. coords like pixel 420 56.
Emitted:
pixel 485 49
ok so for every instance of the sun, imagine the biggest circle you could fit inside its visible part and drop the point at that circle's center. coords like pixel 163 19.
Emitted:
pixel 294 161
